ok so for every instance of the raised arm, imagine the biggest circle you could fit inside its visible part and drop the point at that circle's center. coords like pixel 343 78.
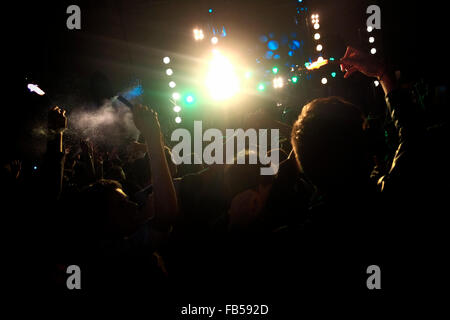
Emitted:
pixel 164 196
pixel 54 157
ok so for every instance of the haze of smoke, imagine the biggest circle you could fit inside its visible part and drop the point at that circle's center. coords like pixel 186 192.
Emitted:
pixel 111 124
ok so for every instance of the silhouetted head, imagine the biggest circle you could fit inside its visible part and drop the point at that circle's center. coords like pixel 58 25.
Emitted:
pixel 329 145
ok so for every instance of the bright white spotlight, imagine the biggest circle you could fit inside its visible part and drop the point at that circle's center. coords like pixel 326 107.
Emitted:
pixel 369 29
pixel 278 82
pixel 35 88
pixel 169 72
pixel 317 36
pixel 166 60
pixel 377 83
pixel 373 51
pixel 221 79
pixel 175 96
pixel 319 47
pixel 371 39
pixel 198 34
pixel 320 59
pixel 316 26
pixel 214 40
pixel 177 109
pixel 177 119
pixel 172 84
pixel 324 80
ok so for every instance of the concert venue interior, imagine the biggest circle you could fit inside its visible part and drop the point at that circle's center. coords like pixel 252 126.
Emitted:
pixel 226 158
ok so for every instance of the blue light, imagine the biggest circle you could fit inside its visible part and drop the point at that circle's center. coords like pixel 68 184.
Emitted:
pixel 271 35
pixel 273 45
pixel 268 55
pixel 263 38
pixel 133 92
pixel 291 53
pixel 300 1
pixel 210 10
pixel 277 56
pixel 296 44
pixel 35 168
pixel 224 33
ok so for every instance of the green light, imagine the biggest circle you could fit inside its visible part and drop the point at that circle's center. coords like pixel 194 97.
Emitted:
pixel 275 70
pixel 261 87
pixel 294 79
pixel 190 99
pixel 333 74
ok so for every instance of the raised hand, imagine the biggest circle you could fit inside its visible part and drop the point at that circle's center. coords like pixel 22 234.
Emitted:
pixel 356 60
pixel 57 120
pixel 146 120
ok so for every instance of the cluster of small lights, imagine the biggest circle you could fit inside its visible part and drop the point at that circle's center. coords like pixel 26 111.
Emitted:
pixel 371 40
pixel 278 82
pixel 198 34
pixel 172 84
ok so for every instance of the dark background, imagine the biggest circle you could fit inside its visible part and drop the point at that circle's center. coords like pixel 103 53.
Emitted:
pixel 121 41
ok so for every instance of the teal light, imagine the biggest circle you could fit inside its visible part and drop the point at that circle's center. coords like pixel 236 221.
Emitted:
pixel 190 99
pixel 331 59
pixel 307 64
pixel 275 70
pixel 333 74
pixel 294 79
pixel 261 87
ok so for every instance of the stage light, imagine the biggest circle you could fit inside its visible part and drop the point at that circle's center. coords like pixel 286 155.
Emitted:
pixel 278 82
pixel 221 79
pixel 169 72
pixel 371 40
pixel 377 83
pixel 177 109
pixel 166 60
pixel 373 51
pixel 320 59
pixel 190 99
pixel 176 96
pixel 172 84
pixel 317 36
pixel 214 40
pixel 369 29
pixel 316 26
pixel 198 34
pixel 319 47
pixel 294 79
pixel 261 87
pixel 178 119
pixel 35 88
pixel 324 80
pixel 275 70
pixel 333 74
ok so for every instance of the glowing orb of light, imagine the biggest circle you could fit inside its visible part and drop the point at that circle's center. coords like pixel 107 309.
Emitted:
pixel 221 79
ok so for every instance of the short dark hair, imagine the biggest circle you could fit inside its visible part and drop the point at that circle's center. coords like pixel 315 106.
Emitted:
pixel 328 140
